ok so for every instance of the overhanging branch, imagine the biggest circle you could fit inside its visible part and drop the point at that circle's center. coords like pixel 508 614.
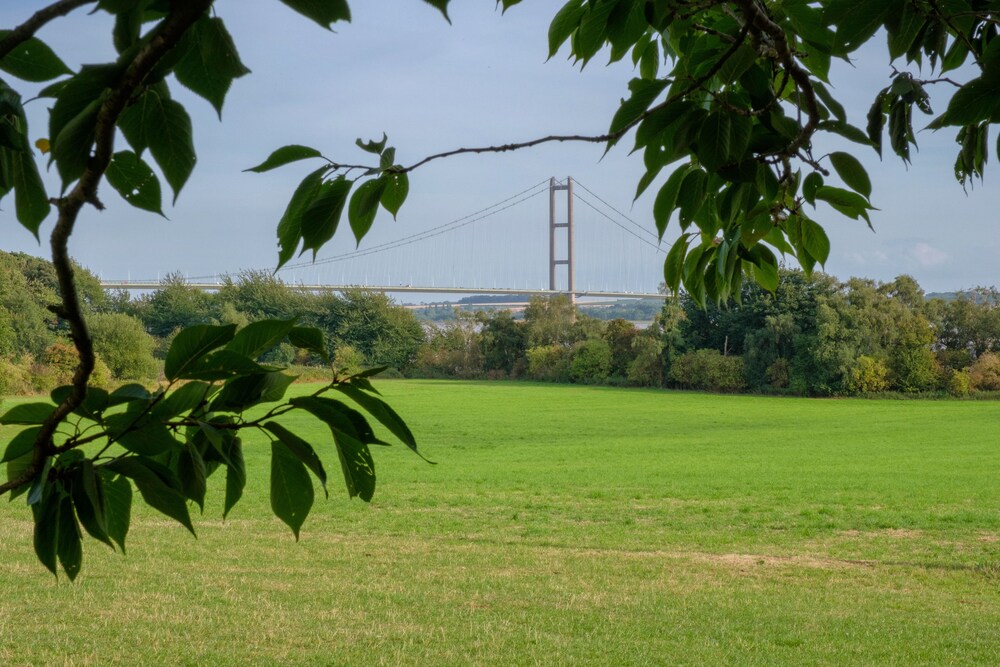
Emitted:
pixel 27 30
pixel 166 37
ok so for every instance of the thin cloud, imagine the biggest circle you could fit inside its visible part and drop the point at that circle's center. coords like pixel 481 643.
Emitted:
pixel 927 255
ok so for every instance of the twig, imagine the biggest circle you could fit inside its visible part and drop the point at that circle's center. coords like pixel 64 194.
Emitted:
pixel 27 30
pixel 610 137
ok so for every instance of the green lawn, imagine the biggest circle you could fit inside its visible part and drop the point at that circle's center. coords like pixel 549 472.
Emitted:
pixel 568 525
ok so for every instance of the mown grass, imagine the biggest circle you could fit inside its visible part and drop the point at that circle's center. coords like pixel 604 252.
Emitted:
pixel 568 525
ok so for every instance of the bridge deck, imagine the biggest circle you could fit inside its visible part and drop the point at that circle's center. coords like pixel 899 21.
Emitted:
pixel 398 289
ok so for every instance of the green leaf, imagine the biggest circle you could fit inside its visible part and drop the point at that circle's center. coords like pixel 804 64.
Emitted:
pixel 46 534
pixel 258 337
pixel 441 6
pixel 87 492
pixel 290 226
pixel 135 181
pixel 808 23
pixel 210 62
pixel 876 123
pixel 159 487
pixel 765 268
pixel 835 107
pixel 128 393
pixel 397 186
pixel 673 265
pixel 360 427
pixel 285 155
pixel 853 174
pixel 183 399
pixel 565 22
pixel 40 484
pixel 95 401
pixel 323 12
pixel 666 199
pixel 355 458
pixel 813 181
pixel 31 202
pixel 236 475
pixel 737 64
pixel 15 468
pixel 321 218
pixel 846 130
pixel 388 159
pixel 222 365
pixel 21 444
pixel 32 60
pixel 71 147
pixel 192 344
pixel 192 474
pixel 69 547
pixel 593 32
pixel 815 240
pixel 860 20
pixel 118 507
pixel 842 197
pixel 644 93
pixel 309 338
pixel 381 411
pixel 291 489
pixel 170 141
pixel 244 392
pixel 147 437
pixel 28 413
pixel 364 205
pixel 74 95
pixel 301 449
pixel 714 140
pixel 373 147
pixel 691 196
pixel 976 101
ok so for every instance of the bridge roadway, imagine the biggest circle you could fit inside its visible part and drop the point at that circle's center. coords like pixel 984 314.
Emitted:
pixel 397 289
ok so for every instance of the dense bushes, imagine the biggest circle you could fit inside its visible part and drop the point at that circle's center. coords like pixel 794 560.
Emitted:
pixel 984 375
pixel 815 336
pixel 709 370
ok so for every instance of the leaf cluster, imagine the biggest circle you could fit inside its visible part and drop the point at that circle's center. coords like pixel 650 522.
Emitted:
pixel 167 443
pixel 730 96
pixel 317 205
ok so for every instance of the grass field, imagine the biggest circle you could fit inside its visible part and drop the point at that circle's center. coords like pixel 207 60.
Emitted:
pixel 568 525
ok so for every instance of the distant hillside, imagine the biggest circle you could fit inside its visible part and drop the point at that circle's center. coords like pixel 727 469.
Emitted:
pixel 980 295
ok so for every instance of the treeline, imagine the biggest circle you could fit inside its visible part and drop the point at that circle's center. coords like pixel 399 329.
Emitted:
pixel 131 335
pixel 815 336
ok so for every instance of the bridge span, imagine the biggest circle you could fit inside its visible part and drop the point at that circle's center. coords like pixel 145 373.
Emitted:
pixel 150 285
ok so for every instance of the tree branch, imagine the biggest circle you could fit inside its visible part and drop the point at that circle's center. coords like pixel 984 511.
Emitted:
pixel 167 35
pixel 610 137
pixel 758 17
pixel 27 30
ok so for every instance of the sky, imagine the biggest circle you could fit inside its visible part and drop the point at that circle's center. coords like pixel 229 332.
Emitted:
pixel 483 80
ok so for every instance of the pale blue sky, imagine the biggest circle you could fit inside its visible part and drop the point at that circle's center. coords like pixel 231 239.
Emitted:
pixel 482 80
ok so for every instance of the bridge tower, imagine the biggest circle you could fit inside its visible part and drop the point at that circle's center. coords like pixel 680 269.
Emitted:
pixel 567 260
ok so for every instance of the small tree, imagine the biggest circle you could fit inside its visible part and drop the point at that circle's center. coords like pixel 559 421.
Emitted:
pixel 503 340
pixel 620 335
pixel 591 361
pixel 123 344
pixel 868 376
pixel 984 375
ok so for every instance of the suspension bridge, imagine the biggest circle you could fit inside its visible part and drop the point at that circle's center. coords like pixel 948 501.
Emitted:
pixel 588 248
